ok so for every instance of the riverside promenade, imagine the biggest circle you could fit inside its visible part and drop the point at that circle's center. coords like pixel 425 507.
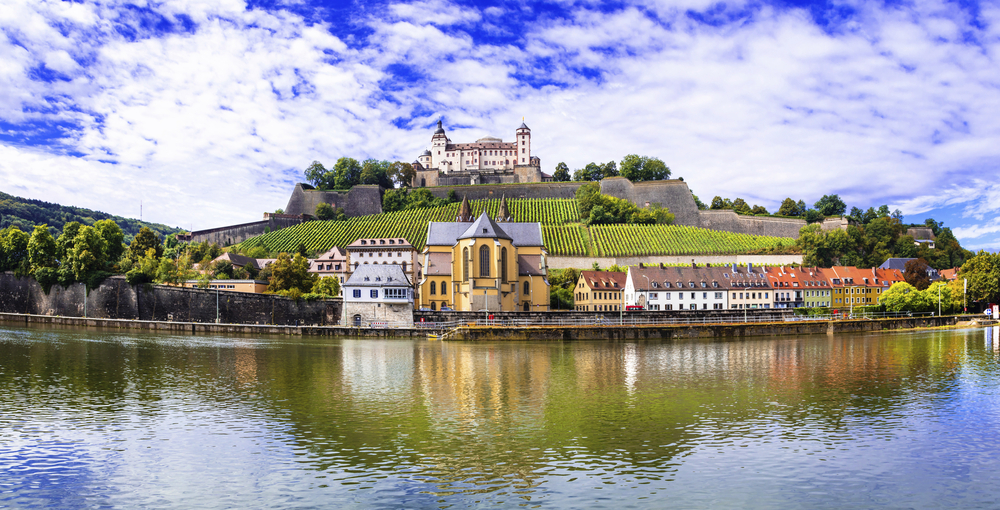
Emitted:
pixel 477 332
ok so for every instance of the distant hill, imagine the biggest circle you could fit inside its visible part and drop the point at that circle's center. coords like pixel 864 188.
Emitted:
pixel 25 213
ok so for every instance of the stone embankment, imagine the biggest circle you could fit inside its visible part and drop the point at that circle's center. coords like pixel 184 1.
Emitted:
pixel 693 331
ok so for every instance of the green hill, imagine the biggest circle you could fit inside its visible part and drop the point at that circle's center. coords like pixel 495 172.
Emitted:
pixel 561 234
pixel 25 213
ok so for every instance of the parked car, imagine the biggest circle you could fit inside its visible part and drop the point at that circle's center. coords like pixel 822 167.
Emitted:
pixel 634 307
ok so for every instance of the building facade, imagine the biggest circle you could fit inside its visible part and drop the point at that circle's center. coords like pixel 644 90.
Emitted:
pixel 252 286
pixel 484 265
pixel 332 264
pixel 377 295
pixel 384 251
pixel 600 291
pixel 749 287
pixel 677 288
pixel 488 160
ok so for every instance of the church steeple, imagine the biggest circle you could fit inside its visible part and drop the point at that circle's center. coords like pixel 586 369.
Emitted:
pixel 464 211
pixel 503 214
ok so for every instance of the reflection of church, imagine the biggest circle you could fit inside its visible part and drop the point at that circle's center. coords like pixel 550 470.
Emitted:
pixel 486 161
pixel 482 264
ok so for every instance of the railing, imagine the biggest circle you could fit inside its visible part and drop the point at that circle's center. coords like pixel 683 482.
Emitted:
pixel 613 319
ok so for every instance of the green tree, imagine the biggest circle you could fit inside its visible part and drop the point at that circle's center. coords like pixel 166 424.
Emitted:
pixel 562 173
pixel 64 243
pixel 327 286
pixel 741 207
pixel 14 250
pixel 718 203
pixel 939 291
pixel 114 239
pixel 701 205
pixel 347 173
pixel 316 174
pixel 759 209
pixel 813 216
pixel 903 297
pixel 42 251
pixel 394 200
pixel 324 211
pixel 290 276
pixel 983 273
pixel 643 168
pixel 374 171
pixel 609 169
pixel 144 241
pixel 401 174
pixel 789 208
pixel 88 253
pixel 830 205
pixel 586 197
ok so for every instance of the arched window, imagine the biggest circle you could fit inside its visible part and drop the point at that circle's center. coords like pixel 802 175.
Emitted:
pixel 484 261
pixel 465 264
pixel 433 287
pixel 503 265
pixel 433 305
pixel 527 307
pixel 444 289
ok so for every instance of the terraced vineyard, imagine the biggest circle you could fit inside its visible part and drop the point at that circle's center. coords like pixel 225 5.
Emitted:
pixel 561 234
pixel 621 240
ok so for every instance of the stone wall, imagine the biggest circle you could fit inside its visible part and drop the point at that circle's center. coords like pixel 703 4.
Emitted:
pixel 397 315
pixel 673 194
pixel 361 200
pixel 116 299
pixel 572 316
pixel 232 234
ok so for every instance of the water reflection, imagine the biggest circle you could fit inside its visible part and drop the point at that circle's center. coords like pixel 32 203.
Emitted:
pixel 153 420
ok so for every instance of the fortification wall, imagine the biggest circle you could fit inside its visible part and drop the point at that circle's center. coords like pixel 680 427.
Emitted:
pixel 232 234
pixel 520 190
pixel 673 194
pixel 359 201
pixel 116 299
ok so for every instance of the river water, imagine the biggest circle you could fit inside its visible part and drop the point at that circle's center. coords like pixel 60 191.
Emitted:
pixel 126 420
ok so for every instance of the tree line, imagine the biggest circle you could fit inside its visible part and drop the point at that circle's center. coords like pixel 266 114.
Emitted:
pixel 632 167
pixel 349 172
pixel 91 253
pixel 25 213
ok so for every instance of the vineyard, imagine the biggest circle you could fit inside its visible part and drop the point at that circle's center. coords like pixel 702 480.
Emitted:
pixel 561 234
pixel 639 240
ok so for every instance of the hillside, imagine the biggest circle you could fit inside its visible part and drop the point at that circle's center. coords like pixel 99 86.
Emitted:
pixel 561 234
pixel 25 213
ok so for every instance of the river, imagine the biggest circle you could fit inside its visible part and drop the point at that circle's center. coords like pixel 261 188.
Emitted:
pixel 92 418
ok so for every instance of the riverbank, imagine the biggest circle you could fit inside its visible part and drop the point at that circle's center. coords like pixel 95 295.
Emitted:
pixel 497 333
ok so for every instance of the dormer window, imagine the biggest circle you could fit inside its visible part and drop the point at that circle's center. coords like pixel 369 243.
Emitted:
pixel 703 285
pixel 666 284
pixel 363 242
pixel 484 230
pixel 691 284
pixel 366 279
pixel 392 241
pixel 378 278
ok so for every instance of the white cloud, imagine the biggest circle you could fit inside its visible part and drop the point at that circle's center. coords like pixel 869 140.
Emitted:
pixel 215 125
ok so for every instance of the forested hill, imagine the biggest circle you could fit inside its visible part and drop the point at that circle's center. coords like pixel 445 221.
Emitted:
pixel 25 213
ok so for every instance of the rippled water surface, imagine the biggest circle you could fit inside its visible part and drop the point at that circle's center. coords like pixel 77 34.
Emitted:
pixel 124 420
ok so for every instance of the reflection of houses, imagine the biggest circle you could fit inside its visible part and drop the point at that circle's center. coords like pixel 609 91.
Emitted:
pixel 377 293
pixel 484 265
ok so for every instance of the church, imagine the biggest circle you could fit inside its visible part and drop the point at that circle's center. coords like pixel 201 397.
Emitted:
pixel 482 264
pixel 488 160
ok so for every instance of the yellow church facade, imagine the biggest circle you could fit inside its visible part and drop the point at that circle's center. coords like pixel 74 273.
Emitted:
pixel 484 265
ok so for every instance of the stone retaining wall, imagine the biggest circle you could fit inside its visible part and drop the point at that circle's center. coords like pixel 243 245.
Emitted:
pixel 587 263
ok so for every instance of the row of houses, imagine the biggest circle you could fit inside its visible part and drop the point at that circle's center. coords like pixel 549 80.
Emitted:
pixel 733 287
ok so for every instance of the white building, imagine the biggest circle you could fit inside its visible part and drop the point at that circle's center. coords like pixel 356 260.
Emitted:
pixel 488 160
pixel 377 295
pixel 676 288
pixel 333 264
pixel 382 251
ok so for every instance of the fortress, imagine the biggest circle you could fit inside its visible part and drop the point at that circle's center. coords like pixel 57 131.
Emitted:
pixel 491 168
pixel 488 160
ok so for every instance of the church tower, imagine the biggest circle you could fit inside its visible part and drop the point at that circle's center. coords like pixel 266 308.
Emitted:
pixel 439 145
pixel 523 145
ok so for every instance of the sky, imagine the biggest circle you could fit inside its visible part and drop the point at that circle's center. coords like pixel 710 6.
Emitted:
pixel 203 113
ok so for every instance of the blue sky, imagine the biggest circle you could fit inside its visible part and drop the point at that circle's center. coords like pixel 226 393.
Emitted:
pixel 208 111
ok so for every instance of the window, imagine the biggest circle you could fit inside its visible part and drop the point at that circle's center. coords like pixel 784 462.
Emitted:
pixel 527 288
pixel 374 293
pixel 666 295
pixel 357 293
pixel 395 293
pixel 444 289
pixel 433 288
pixel 718 295
pixel 465 264
pixel 503 264
pixel 484 261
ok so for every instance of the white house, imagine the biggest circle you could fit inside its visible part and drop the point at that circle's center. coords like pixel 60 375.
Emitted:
pixel 377 295
pixel 676 288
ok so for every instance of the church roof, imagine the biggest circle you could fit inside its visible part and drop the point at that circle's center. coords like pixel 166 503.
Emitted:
pixel 378 275
pixel 484 226
pixel 447 233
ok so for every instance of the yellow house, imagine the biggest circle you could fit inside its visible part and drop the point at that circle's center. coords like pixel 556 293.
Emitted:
pixel 484 265
pixel 600 291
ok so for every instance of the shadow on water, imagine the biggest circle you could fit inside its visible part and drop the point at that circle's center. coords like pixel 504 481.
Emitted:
pixel 415 423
